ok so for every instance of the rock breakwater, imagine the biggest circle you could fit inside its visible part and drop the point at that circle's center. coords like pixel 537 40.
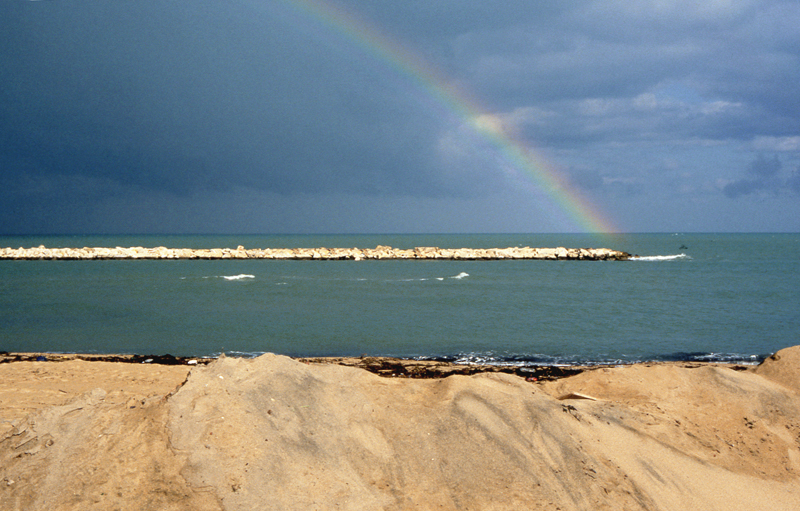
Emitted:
pixel 322 253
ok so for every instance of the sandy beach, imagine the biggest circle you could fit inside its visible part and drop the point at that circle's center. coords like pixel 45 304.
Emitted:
pixel 278 433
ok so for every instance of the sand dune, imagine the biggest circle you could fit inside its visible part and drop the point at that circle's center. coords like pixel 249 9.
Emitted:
pixel 275 433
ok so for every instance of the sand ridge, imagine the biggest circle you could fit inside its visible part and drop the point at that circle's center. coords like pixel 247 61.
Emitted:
pixel 277 433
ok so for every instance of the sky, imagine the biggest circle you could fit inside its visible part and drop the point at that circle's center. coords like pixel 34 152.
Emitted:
pixel 420 116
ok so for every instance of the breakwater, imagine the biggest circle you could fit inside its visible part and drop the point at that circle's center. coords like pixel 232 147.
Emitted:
pixel 322 253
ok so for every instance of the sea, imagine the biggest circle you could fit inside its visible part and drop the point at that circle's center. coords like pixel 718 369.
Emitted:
pixel 707 297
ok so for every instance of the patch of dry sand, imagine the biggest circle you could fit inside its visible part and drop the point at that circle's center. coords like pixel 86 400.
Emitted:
pixel 275 433
pixel 27 387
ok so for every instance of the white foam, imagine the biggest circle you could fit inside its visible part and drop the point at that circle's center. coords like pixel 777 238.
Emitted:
pixel 661 257
pixel 459 276
pixel 238 277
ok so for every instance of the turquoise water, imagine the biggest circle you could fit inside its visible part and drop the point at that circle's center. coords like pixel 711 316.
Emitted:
pixel 706 296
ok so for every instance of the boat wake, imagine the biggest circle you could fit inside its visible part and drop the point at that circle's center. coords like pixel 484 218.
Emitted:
pixel 673 257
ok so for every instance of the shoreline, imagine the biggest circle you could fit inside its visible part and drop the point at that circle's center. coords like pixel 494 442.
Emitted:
pixel 397 367
pixel 274 432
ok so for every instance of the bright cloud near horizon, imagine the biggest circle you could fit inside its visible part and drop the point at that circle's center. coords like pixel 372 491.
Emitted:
pixel 271 116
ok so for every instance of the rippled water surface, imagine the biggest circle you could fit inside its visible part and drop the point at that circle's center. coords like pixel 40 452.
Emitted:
pixel 715 296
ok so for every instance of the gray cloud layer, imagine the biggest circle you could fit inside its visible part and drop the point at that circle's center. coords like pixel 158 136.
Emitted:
pixel 115 107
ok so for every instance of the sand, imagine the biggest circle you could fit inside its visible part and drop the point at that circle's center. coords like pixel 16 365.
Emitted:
pixel 277 433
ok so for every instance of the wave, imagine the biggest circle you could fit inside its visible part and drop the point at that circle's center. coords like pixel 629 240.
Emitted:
pixel 423 279
pixel 533 360
pixel 660 257
pixel 712 357
pixel 226 277
pixel 537 359
pixel 238 277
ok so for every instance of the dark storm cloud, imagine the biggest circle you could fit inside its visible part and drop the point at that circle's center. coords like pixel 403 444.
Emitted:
pixel 616 50
pixel 764 168
pixel 793 183
pixel 744 187
pixel 696 56
pixel 106 105
pixel 764 174
pixel 441 21
pixel 202 95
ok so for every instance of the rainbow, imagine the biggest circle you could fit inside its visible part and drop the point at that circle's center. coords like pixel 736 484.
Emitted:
pixel 506 147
